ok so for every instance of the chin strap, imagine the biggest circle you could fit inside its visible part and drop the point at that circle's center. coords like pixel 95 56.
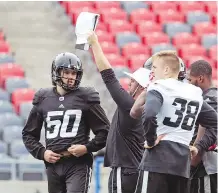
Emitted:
pixel 133 95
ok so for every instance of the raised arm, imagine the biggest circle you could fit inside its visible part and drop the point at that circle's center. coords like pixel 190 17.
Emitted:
pixel 121 97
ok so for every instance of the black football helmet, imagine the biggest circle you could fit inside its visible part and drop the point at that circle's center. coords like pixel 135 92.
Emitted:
pixel 182 73
pixel 66 61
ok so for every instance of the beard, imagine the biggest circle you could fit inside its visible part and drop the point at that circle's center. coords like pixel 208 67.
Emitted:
pixel 196 83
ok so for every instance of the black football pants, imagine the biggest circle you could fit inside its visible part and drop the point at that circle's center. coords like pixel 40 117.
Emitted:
pixel 161 183
pixel 205 184
pixel 68 176
pixel 123 180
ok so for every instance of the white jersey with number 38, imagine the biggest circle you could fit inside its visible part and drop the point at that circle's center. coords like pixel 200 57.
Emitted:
pixel 182 103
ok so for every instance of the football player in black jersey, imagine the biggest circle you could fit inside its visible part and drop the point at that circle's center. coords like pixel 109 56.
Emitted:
pixel 68 112
pixel 204 167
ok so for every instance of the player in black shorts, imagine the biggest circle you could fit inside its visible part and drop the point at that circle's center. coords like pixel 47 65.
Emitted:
pixel 125 140
pixel 204 167
pixel 68 112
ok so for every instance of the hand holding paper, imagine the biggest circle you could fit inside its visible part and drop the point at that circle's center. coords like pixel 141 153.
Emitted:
pixel 92 38
pixel 85 23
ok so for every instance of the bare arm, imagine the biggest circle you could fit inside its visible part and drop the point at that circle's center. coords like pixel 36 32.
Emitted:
pixel 137 109
pixel 197 159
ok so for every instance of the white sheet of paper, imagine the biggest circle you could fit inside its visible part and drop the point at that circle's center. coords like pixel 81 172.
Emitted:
pixel 86 22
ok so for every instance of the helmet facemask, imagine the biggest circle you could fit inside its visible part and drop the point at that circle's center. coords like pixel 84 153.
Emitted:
pixel 58 74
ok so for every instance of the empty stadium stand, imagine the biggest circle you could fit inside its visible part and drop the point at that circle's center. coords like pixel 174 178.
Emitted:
pixel 152 26
pixel 129 33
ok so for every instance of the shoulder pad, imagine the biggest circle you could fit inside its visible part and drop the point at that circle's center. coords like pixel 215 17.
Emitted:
pixel 92 95
pixel 157 85
pixel 40 95
pixel 167 85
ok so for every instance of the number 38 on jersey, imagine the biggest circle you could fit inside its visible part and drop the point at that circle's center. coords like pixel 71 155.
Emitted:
pixel 66 128
pixel 185 114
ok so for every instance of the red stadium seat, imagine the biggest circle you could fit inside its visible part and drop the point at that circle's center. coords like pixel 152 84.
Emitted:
pixel 120 26
pixel 192 50
pixel 195 58
pixel 116 60
pixel 10 70
pixel 112 14
pixel 214 18
pixel 101 26
pixel 75 13
pixel 110 48
pixel 106 4
pixel 124 82
pixel 134 49
pixel 170 16
pixel 104 36
pixel 147 27
pixel 156 38
pixel 63 3
pixel 204 28
pixel 190 6
pixel 215 65
pixel 137 61
pixel 21 95
pixel 162 6
pixel 74 5
pixel 13 69
pixel 4 47
pixel 211 6
pixel 185 38
pixel 141 15
pixel 212 52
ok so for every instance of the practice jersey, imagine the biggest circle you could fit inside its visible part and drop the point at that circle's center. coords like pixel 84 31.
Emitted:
pixel 67 120
pixel 181 105
pixel 172 108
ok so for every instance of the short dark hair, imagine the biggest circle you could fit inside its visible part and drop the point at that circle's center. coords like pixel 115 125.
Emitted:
pixel 201 67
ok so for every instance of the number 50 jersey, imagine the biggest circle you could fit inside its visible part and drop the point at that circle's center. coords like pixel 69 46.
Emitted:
pixel 67 120
pixel 182 103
